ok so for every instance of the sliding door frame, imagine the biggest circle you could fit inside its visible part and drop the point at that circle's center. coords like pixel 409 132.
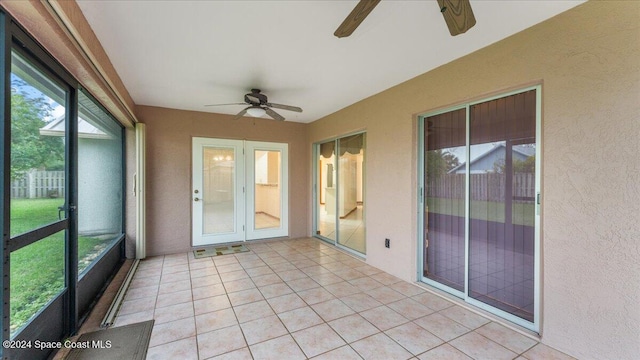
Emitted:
pixel 421 191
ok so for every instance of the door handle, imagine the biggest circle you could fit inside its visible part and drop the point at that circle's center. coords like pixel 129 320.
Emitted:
pixel 196 199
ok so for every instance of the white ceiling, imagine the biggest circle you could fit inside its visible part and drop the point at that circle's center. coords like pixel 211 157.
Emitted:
pixel 185 54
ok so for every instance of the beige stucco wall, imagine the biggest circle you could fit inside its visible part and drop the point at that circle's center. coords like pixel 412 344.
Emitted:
pixel 587 61
pixel 169 134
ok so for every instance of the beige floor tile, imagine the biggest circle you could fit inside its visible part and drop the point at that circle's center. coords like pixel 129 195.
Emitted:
pixel 342 353
pixel 245 296
pixel 204 272
pixel 317 340
pixel 208 291
pixel 304 263
pixel 299 319
pixel 360 302
pixel 133 318
pixel 327 279
pixel 444 352
pixel 407 289
pixel 234 275
pixel 316 295
pixel 173 277
pixel 544 352
pixel 286 303
pixel 139 282
pixel 210 304
pixel 282 266
pixel 508 338
pixel 385 279
pixel 253 311
pixel 280 348
pixel 410 308
pixel 265 280
pixel 380 346
pixel 289 275
pixel 349 274
pixel 480 348
pixel 174 298
pixel 172 331
pixel 342 289
pixel 258 271
pixel 384 317
pixel 220 341
pixel 385 294
pixel 215 320
pixel 137 305
pixel 263 329
pixel 302 284
pixel 141 292
pixel 224 260
pixel 413 338
pixel 228 268
pixel 238 285
pixel 175 268
pixel 173 312
pixel 441 326
pixel 465 317
pixel 353 327
pixel 240 354
pixel 332 309
pixel 365 283
pixel 207 280
pixel 182 349
pixel 432 301
pixel 172 287
pixel 275 290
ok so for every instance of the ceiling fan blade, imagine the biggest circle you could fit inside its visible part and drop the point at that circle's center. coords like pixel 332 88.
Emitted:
pixel 274 114
pixel 226 104
pixel 458 15
pixel 284 107
pixel 241 113
pixel 357 15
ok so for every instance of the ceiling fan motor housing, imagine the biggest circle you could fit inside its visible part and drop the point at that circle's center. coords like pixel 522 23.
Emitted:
pixel 255 98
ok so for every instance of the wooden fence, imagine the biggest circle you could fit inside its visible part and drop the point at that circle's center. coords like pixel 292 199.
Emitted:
pixel 483 187
pixel 39 184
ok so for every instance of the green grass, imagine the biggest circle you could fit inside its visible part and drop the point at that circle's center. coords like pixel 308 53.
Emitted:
pixel 37 270
pixel 522 213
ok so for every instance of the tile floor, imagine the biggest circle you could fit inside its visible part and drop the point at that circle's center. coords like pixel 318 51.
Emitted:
pixel 298 299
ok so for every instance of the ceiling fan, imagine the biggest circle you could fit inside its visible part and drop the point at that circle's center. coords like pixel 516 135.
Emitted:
pixel 457 14
pixel 259 105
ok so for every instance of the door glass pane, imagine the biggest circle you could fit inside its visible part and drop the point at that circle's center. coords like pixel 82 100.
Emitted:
pixel 37 148
pixel 99 181
pixel 502 209
pixel 218 193
pixel 350 190
pixel 37 189
pixel 444 222
pixel 267 189
pixel 326 191
pixel 37 276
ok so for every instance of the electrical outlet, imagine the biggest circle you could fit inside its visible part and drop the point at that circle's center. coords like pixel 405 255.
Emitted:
pixel 387 243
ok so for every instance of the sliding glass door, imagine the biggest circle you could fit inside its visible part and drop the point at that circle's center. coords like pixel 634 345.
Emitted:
pixel 480 180
pixel 339 190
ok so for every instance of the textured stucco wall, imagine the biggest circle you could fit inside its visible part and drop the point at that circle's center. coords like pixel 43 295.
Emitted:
pixel 587 61
pixel 169 134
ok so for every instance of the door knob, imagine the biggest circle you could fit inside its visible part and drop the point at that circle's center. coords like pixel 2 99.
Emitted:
pixel 196 199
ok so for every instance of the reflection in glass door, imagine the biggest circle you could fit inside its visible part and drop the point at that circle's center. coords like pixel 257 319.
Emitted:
pixel 339 192
pixel 480 183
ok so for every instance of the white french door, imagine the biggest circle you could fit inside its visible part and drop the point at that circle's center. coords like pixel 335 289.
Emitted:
pixel 240 190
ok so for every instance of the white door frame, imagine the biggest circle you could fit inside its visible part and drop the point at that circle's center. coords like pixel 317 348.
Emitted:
pixel 244 191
